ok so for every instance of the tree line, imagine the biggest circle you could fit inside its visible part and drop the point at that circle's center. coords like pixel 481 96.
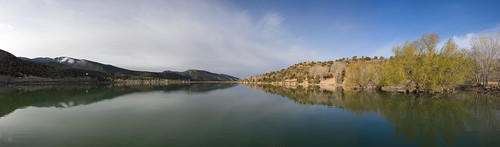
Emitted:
pixel 421 66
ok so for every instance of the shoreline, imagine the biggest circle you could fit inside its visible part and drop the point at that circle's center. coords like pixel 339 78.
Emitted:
pixel 56 82
pixel 115 82
pixel 479 89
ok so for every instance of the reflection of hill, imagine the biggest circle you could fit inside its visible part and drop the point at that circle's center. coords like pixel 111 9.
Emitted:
pixel 310 95
pixel 12 98
pixel 417 118
pixel 196 88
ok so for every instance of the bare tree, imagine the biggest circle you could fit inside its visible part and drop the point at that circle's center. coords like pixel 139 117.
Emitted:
pixel 485 52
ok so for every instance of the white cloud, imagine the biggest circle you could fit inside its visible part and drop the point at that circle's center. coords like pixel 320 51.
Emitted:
pixel 6 26
pixel 463 41
pixel 386 50
pixel 49 2
pixel 271 24
pixel 157 36
pixel 495 29
pixel 271 20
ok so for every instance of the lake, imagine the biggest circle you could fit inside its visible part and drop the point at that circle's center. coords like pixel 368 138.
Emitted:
pixel 239 115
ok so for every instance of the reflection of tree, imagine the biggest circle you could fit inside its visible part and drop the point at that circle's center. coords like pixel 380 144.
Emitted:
pixel 425 118
pixel 68 96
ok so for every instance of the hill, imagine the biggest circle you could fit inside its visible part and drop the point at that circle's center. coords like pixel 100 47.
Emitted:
pixel 12 66
pixel 310 73
pixel 103 70
pixel 89 65
pixel 201 75
pixel 112 72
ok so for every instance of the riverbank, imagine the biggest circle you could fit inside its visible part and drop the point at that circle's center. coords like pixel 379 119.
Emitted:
pixel 33 80
pixel 332 87
pixel 11 81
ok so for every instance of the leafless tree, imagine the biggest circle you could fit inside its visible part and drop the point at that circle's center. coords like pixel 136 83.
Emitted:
pixel 485 52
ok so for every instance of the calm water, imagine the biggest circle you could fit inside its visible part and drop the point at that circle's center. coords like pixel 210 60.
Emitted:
pixel 237 115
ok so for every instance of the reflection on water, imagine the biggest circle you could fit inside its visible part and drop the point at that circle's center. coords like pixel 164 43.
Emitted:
pixel 424 118
pixel 12 98
pixel 206 115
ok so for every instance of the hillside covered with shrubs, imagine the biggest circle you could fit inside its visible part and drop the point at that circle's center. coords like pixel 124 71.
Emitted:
pixel 312 73
pixel 418 66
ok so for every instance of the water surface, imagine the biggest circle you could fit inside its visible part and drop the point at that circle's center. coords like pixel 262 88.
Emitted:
pixel 237 115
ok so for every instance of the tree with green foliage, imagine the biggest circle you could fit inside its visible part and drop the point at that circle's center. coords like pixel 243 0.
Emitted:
pixel 316 80
pixel 422 67
pixel 362 75
pixel 327 76
pixel 300 79
pixel 310 79
pixel 391 75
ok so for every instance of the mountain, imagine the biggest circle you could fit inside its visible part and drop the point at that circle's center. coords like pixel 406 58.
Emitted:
pixel 12 66
pixel 103 70
pixel 91 67
pixel 201 75
pixel 109 71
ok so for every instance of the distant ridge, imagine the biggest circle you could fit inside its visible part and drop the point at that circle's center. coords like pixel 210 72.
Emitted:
pixel 91 67
pixel 201 75
pixel 96 69
pixel 10 65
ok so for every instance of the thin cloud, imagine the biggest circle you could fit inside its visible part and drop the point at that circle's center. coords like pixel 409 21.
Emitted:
pixel 155 36
pixel 386 50
pixel 463 41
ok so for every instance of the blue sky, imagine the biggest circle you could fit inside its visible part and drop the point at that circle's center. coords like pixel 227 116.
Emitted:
pixel 367 27
pixel 241 38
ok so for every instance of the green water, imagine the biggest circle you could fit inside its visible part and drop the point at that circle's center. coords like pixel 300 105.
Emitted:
pixel 238 115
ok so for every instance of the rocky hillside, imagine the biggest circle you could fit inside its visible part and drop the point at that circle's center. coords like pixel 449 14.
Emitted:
pixel 310 73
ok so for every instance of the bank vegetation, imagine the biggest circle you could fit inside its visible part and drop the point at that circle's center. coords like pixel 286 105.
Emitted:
pixel 423 65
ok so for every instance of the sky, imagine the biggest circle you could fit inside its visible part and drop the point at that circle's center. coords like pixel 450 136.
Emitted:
pixel 241 38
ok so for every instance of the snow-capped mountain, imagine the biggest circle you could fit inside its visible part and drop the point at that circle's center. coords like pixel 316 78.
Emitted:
pixel 80 64
pixel 12 66
pixel 67 60
pixel 104 70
